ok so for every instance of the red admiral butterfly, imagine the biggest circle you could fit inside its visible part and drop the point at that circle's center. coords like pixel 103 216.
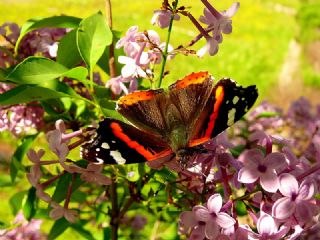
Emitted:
pixel 169 123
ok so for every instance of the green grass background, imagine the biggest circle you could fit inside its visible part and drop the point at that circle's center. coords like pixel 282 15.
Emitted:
pixel 252 54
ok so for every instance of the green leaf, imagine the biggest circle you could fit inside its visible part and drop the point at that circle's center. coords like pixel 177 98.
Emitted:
pixel 58 228
pixel 28 93
pixel 83 232
pixel 78 73
pixel 29 206
pixel 241 208
pixel 18 155
pixel 16 202
pixel 36 70
pixel 267 115
pixel 68 53
pixel 93 36
pixel 3 74
pixel 107 233
pixel 55 21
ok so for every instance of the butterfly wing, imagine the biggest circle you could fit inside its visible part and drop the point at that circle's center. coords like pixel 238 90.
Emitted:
pixel 144 110
pixel 227 104
pixel 190 96
pixel 120 143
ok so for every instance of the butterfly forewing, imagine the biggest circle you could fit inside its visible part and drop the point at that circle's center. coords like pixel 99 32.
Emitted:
pixel 144 110
pixel 119 143
pixel 227 104
pixel 190 96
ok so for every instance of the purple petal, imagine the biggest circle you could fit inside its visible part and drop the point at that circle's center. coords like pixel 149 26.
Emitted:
pixel 306 190
pixel 248 175
pixel 266 225
pixel 212 230
pixel 275 160
pixel 283 208
pixel 288 184
pixel 269 181
pixel 201 213
pixel 214 203
pixel 305 211
pixel 224 220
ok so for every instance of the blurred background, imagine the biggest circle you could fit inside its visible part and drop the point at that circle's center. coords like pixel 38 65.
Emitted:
pixel 275 44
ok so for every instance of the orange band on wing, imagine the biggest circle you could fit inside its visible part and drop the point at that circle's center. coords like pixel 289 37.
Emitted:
pixel 219 95
pixel 138 96
pixel 117 131
pixel 193 78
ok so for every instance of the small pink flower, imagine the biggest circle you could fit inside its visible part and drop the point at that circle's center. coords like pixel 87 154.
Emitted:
pixel 212 217
pixel 296 200
pixel 211 47
pixel 117 84
pixel 130 37
pixel 59 212
pixel 268 229
pixel 93 175
pixel 132 68
pixel 257 166
pixel 220 21
pixel 162 18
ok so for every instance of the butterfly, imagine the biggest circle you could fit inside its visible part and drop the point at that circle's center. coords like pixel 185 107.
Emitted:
pixel 174 122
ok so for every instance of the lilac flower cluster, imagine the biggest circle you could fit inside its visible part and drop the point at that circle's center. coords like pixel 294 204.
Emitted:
pixel 24 229
pixel 59 144
pixel 267 176
pixel 143 50
pixel 20 119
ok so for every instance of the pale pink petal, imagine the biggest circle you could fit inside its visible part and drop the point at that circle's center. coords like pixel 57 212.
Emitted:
pixel 232 10
pixel 275 160
pixel 288 184
pixel 248 175
pixel 128 70
pixel 214 203
pixel 266 225
pixel 224 220
pixel 306 190
pixel 269 181
pixel 212 230
pixel 251 157
pixel 188 219
pixel 283 208
pixel 201 213
pixel 56 213
pixel 70 215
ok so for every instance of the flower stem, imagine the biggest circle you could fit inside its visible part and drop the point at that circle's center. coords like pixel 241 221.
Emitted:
pixel 165 52
pixel 112 65
pixel 310 171
pixel 114 209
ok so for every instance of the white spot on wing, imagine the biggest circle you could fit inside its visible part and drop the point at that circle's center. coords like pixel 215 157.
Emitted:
pixel 98 149
pixel 105 145
pixel 117 157
pixel 235 99
pixel 231 116
pixel 113 141
pixel 100 160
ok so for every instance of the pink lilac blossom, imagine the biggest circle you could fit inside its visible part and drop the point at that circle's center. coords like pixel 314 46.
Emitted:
pixel 267 229
pixel 296 200
pixel 256 166
pixel 206 222
pixel 162 18
pixel 24 230
pixel 117 85
pixel 21 119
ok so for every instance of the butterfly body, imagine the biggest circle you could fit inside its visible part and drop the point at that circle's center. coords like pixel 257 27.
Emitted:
pixel 173 123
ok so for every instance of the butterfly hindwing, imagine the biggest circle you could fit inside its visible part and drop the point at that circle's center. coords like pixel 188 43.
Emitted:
pixel 227 104
pixel 120 143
